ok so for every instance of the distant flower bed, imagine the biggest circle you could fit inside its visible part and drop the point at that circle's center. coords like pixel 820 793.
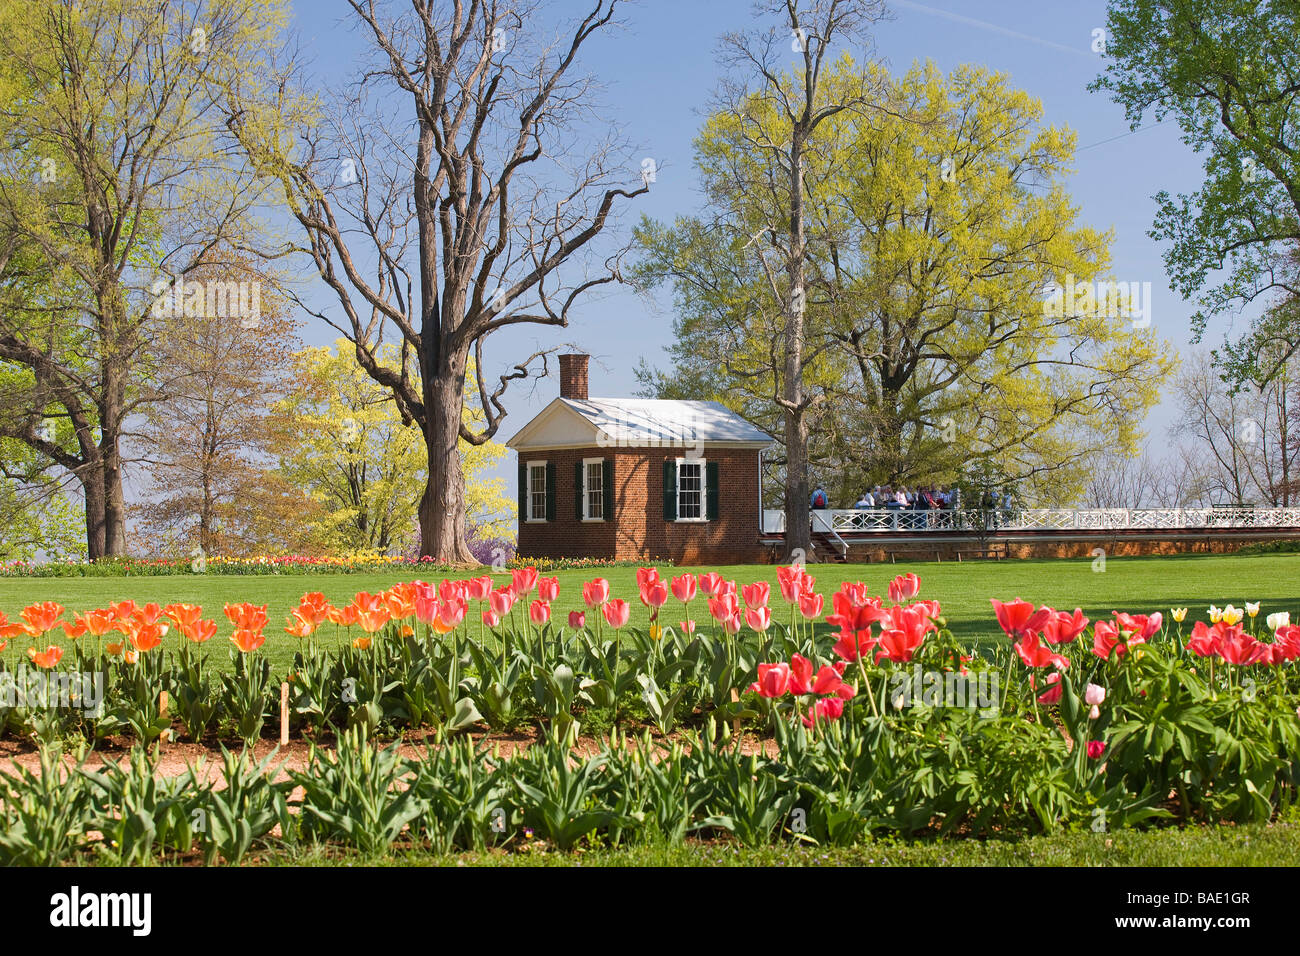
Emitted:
pixel 287 564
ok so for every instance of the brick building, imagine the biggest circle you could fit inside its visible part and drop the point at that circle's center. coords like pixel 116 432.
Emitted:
pixel 638 479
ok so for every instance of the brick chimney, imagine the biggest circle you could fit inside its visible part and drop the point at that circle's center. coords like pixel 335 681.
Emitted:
pixel 573 377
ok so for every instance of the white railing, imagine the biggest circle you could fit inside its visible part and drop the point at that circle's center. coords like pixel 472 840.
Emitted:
pixel 836 522
pixel 821 522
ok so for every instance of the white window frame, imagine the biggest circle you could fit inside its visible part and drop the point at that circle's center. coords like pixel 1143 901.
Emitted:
pixel 586 488
pixel 530 519
pixel 704 490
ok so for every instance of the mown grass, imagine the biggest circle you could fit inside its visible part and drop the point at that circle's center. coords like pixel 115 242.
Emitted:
pixel 1135 584
pixel 1275 844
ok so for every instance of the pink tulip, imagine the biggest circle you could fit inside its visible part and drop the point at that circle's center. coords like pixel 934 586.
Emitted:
pixel 490 617
pixel 501 601
pixel 595 593
pixel 523 580
pixel 617 613
pixel 904 588
pixel 577 620
pixel 548 589
pixel 688 627
pixel 758 618
pixel 539 612
pixel 478 589
pixel 710 582
pixel 684 588
pixel 810 606
pixel 655 594
pixel 756 595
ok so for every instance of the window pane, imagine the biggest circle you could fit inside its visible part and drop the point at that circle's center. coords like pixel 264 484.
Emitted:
pixel 690 490
pixel 537 493
pixel 595 490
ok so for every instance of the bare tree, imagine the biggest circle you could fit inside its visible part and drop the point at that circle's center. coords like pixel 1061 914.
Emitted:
pixel 476 211
pixel 810 30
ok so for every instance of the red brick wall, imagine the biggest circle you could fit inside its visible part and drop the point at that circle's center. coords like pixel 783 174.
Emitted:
pixel 638 530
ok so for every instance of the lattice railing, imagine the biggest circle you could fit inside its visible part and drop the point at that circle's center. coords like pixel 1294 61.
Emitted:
pixel 973 521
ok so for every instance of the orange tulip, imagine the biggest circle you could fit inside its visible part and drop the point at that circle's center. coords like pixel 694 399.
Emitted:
pixel 185 615
pixel 41 617
pixel 362 643
pixel 300 623
pixel 345 616
pixel 145 637
pixel 96 623
pixel 47 658
pixel 200 631
pixel 246 617
pixel 248 640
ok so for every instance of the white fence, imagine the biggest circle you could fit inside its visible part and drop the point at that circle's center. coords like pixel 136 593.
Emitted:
pixel 1040 519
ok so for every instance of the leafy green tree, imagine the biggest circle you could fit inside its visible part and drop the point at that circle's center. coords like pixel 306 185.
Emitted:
pixel 1228 72
pixel 937 226
pixel 343 441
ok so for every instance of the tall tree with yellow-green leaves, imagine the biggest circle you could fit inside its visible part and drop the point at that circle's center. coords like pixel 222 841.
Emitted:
pixel 937 225
pixel 342 440
pixel 115 182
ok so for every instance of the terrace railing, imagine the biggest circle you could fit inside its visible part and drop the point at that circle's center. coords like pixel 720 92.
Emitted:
pixel 973 521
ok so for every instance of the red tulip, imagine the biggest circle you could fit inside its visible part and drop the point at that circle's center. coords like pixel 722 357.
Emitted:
pixel 595 593
pixel 1036 654
pixel 723 607
pixel 1052 694
pixel 1063 627
pixel 732 623
pixel 1105 640
pixel 577 620
pixel 617 613
pixel 773 680
pixel 758 618
pixel 688 627
pixel 1096 748
pixel 801 675
pixel 1238 647
pixel 1205 641
pixel 490 617
pixel 684 588
pixel 1141 625
pixel 548 589
pixel 1018 618
pixel 828 708
pixel 478 589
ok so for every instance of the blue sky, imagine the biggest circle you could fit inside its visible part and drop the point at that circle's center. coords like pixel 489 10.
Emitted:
pixel 659 71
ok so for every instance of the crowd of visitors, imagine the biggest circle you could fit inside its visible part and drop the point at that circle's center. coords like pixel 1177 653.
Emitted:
pixel 935 499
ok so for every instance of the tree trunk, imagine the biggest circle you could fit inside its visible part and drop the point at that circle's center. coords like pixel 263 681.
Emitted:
pixel 443 530
pixel 798 535
pixel 92 489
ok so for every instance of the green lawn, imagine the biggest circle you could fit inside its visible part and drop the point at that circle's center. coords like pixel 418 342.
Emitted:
pixel 1133 584
pixel 1275 844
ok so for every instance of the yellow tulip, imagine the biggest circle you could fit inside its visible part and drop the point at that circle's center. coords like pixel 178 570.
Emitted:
pixel 1178 613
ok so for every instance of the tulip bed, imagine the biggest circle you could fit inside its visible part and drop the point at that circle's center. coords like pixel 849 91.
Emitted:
pixel 880 722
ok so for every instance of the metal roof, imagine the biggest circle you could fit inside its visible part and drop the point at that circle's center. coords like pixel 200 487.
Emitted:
pixel 644 421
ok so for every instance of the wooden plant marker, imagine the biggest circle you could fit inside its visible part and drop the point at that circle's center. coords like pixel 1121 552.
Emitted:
pixel 166 735
pixel 284 714
pixel 735 721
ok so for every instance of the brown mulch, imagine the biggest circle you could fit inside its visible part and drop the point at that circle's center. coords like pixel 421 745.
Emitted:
pixel 173 757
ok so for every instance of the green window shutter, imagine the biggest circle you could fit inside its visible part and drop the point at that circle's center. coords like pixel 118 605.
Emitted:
pixel 578 490
pixel 607 488
pixel 670 490
pixel 523 492
pixel 550 491
pixel 711 490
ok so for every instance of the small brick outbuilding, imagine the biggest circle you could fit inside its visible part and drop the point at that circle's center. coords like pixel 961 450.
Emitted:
pixel 634 479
